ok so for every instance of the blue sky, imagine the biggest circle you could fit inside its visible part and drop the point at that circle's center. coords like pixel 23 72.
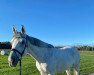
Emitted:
pixel 59 22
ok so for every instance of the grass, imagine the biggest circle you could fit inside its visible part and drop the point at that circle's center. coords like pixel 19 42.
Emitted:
pixel 28 65
pixel 87 62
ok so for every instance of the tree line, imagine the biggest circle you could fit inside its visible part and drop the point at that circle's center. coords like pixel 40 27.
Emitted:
pixel 86 48
pixel 7 45
pixel 81 47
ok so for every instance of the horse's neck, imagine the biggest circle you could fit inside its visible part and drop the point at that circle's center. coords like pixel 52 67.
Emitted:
pixel 37 52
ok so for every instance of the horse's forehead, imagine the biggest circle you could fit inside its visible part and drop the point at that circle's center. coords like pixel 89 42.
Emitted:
pixel 19 35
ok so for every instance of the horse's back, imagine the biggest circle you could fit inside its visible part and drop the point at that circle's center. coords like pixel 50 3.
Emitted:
pixel 68 50
pixel 71 52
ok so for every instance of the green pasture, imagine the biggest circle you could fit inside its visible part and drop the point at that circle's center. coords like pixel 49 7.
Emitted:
pixel 28 65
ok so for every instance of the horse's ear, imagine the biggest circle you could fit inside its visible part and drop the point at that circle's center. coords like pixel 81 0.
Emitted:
pixel 23 30
pixel 14 30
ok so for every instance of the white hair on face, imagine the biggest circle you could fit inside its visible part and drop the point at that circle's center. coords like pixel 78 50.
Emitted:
pixel 9 58
pixel 14 42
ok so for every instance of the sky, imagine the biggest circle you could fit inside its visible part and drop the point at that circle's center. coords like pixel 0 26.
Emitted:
pixel 58 22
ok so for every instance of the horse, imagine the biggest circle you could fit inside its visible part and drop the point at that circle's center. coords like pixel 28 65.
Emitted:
pixel 49 59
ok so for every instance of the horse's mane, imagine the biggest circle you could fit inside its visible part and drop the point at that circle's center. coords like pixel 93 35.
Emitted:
pixel 34 41
pixel 39 43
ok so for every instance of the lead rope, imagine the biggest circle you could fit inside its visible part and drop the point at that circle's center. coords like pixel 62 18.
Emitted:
pixel 20 67
pixel 20 62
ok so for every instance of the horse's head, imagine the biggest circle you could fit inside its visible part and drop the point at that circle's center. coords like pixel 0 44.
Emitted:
pixel 18 43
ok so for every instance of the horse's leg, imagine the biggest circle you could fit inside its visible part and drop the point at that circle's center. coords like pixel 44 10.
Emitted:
pixel 68 72
pixel 76 70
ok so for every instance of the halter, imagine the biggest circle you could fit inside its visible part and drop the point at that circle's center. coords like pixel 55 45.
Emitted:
pixel 17 51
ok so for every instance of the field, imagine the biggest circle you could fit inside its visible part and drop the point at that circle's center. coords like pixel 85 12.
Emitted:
pixel 28 65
